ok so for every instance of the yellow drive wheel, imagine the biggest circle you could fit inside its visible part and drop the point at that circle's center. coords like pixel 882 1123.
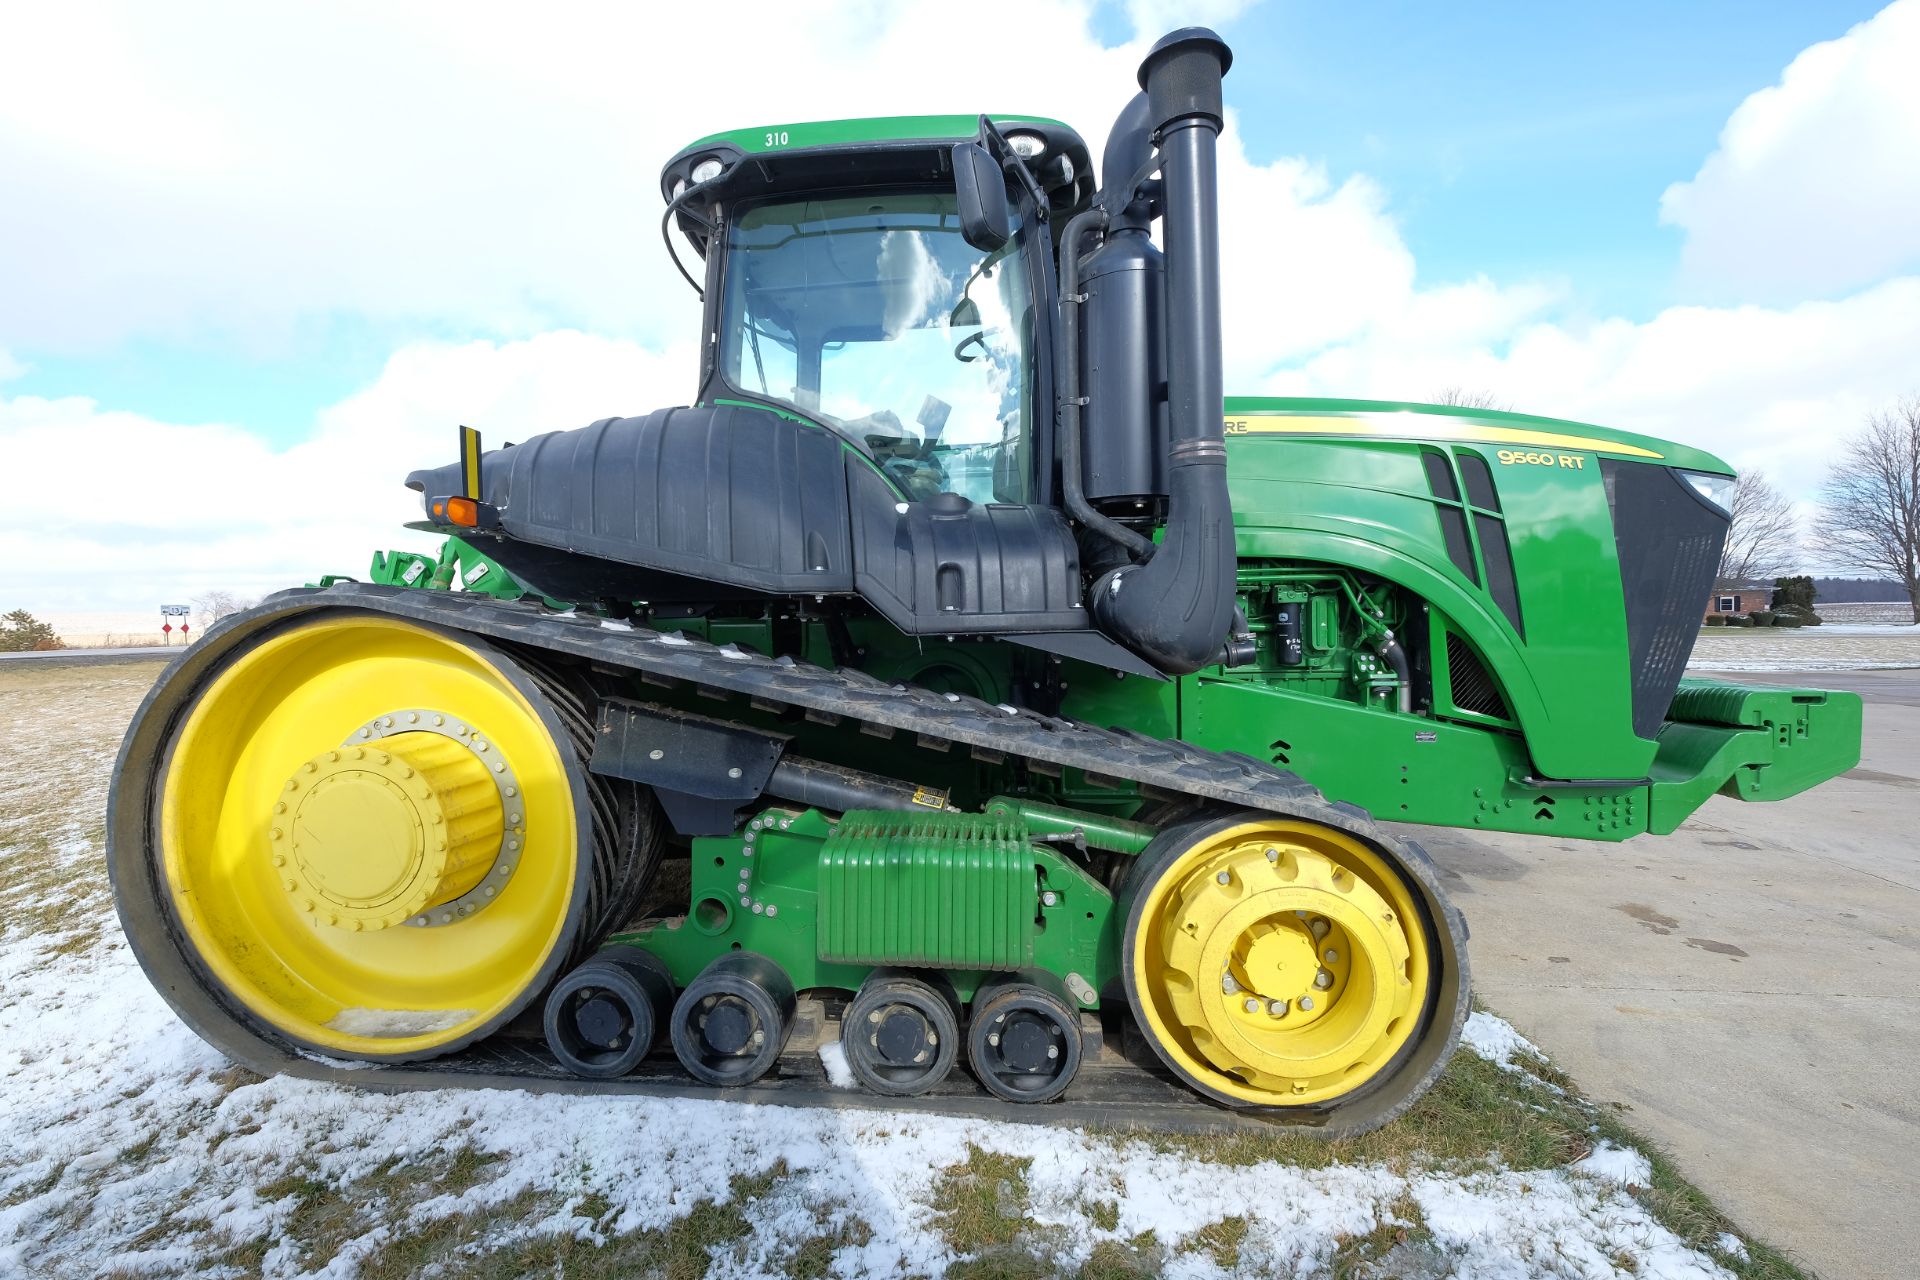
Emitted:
pixel 371 836
pixel 1276 961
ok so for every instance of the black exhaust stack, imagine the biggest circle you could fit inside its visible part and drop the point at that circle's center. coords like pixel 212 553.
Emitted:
pixel 1175 609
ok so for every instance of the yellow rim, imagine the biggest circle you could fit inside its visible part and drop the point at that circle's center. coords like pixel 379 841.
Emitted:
pixel 295 856
pixel 1280 963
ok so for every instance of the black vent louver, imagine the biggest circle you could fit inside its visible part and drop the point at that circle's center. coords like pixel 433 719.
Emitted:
pixel 1473 688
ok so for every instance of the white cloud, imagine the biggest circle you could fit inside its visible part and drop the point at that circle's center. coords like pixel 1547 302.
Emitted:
pixel 1815 187
pixel 1775 388
pixel 488 168
pixel 484 172
pixel 490 171
pixel 111 510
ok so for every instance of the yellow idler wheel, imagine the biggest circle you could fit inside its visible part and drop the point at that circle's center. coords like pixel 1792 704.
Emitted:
pixel 372 837
pixel 1275 962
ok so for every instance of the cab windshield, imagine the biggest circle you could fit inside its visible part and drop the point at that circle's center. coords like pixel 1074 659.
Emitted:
pixel 872 315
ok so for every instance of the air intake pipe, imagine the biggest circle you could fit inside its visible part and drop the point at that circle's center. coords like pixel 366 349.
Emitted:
pixel 1175 608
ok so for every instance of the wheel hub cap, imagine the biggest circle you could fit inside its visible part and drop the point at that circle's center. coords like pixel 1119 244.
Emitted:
pixel 903 1037
pixel 1287 972
pixel 365 837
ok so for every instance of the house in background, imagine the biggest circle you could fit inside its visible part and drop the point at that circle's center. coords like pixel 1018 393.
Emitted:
pixel 1739 599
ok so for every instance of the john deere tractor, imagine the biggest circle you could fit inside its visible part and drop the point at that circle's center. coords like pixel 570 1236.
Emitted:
pixel 960 679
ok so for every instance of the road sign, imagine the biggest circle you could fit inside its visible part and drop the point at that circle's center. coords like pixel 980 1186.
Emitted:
pixel 175 610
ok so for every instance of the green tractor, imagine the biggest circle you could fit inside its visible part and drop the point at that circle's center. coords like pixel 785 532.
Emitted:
pixel 961 679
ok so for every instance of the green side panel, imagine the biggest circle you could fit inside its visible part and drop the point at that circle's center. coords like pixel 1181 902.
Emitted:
pixel 1366 503
pixel 1402 768
pixel 940 891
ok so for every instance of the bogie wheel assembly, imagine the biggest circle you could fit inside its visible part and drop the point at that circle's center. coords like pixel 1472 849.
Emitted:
pixel 1023 1037
pixel 901 1032
pixel 732 1022
pixel 603 1018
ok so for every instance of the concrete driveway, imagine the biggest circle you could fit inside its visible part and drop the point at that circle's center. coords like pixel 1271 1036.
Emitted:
pixel 1749 987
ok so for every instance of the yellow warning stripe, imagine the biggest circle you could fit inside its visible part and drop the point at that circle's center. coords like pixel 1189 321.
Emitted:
pixel 469 463
pixel 1425 427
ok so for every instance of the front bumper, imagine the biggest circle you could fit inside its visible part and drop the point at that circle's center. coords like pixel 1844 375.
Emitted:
pixel 1751 742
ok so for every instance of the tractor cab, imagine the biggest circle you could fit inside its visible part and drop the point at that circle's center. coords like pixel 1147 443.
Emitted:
pixel 923 386
pixel 845 286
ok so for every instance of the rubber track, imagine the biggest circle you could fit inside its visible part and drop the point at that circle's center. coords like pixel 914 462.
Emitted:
pixel 1121 1092
pixel 629 838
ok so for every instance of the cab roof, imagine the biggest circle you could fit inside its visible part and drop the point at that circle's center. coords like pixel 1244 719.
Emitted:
pixel 880 150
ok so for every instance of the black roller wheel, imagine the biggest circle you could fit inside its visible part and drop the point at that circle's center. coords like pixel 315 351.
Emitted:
pixel 732 1022
pixel 1023 1039
pixel 901 1033
pixel 602 1019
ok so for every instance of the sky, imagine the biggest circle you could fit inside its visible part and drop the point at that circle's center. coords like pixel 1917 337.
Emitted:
pixel 257 262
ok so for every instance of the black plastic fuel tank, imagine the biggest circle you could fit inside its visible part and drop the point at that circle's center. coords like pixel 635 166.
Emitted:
pixel 1124 373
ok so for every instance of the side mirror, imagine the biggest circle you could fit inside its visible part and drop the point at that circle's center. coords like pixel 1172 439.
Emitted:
pixel 986 219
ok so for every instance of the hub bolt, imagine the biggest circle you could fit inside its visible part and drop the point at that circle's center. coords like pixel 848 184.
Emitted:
pixel 1306 1004
pixel 1319 929
pixel 1253 1005
pixel 1225 877
pixel 1228 985
pixel 1322 980
pixel 1278 1008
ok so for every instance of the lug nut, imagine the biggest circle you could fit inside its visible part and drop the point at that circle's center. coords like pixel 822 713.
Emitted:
pixel 1253 1005
pixel 1228 985
pixel 1319 929
pixel 1332 955
pixel 1322 980
pixel 1225 877
pixel 1273 855
pixel 1277 1008
pixel 1306 1004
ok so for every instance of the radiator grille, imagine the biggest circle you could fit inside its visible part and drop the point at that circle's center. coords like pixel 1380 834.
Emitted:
pixel 1668 541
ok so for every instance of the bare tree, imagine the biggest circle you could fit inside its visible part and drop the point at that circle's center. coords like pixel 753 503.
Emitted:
pixel 211 606
pixel 1870 512
pixel 1462 398
pixel 1764 534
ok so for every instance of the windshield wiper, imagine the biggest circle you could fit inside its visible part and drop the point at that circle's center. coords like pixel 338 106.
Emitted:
pixel 1011 159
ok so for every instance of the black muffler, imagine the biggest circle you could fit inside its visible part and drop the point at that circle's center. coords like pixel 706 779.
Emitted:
pixel 1175 608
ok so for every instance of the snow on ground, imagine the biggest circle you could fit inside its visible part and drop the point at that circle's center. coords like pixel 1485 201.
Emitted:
pixel 1494 1039
pixel 1863 647
pixel 1883 612
pixel 128 1144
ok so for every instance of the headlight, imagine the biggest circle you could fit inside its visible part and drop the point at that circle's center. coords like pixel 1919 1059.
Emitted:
pixel 1027 145
pixel 1066 169
pixel 679 187
pixel 1715 489
pixel 707 170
